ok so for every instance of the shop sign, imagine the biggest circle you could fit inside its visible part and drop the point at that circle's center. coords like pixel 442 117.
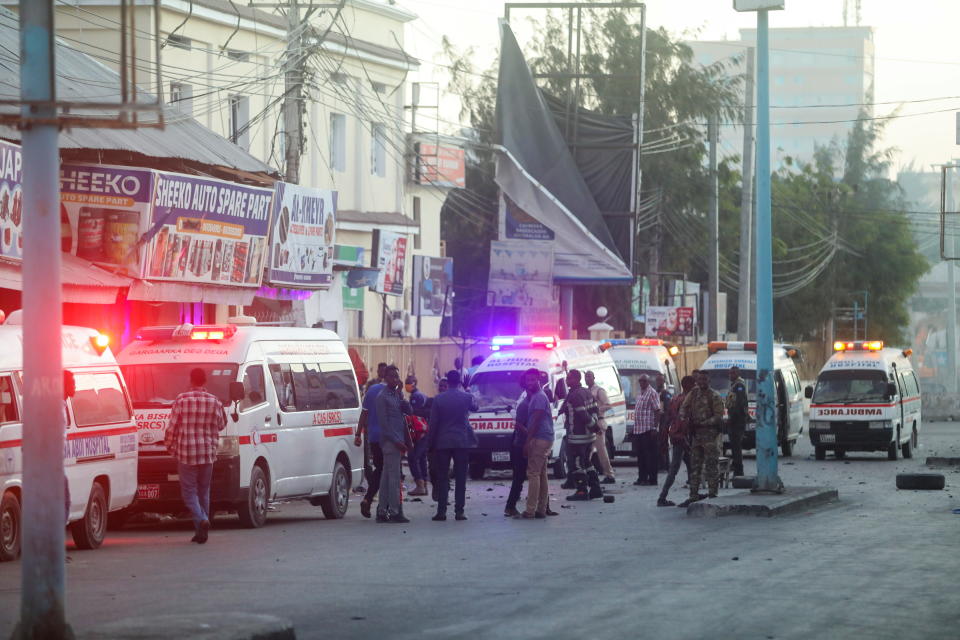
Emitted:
pixel 390 257
pixel 432 280
pixel 11 201
pixel 302 241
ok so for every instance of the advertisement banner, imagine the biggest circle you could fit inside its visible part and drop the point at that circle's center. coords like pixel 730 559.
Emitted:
pixel 11 201
pixel 108 209
pixel 208 231
pixel 521 274
pixel 390 257
pixel 666 322
pixel 432 279
pixel 517 224
pixel 302 242
pixel 441 166
pixel 353 298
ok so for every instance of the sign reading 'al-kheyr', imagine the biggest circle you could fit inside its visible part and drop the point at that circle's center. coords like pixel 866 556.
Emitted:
pixel 208 231
pixel 302 251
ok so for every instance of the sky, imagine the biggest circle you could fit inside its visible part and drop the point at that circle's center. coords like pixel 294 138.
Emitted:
pixel 917 68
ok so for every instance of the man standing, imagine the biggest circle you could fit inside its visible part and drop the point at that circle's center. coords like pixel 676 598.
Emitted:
pixel 663 442
pixel 193 434
pixel 679 437
pixel 394 442
pixel 600 441
pixel 450 437
pixel 417 458
pixel 738 411
pixel 537 447
pixel 580 420
pixel 702 409
pixel 518 460
pixel 645 422
pixel 368 434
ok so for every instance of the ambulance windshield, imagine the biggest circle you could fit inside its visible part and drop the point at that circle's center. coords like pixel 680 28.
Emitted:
pixel 847 386
pixel 158 385
pixel 629 381
pixel 496 390
pixel 720 381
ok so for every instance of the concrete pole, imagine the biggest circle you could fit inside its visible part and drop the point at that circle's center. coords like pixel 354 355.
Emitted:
pixel 713 223
pixel 566 311
pixel 42 611
pixel 951 382
pixel 767 476
pixel 744 320
pixel 293 93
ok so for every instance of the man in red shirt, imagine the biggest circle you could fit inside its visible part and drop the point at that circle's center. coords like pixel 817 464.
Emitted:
pixel 192 437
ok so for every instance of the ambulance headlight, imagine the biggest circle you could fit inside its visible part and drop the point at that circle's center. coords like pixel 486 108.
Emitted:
pixel 819 424
pixel 881 424
pixel 229 447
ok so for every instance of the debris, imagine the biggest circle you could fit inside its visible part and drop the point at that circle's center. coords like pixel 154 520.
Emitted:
pixel 735 558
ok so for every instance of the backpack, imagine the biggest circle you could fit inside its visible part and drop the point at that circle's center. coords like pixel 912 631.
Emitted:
pixel 417 427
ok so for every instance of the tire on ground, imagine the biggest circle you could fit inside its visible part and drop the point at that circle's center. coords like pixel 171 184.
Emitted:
pixel 742 482
pixel 921 481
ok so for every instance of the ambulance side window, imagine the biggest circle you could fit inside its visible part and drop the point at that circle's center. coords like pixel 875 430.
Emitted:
pixel 8 401
pixel 254 388
pixel 282 378
pixel 99 400
pixel 912 385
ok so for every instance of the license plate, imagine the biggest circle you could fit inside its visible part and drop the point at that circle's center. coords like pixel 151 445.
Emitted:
pixel 148 492
pixel 828 437
pixel 500 456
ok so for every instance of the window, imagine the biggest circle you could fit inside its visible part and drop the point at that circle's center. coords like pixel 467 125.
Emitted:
pixel 913 385
pixel 608 380
pixel 239 120
pixel 158 385
pixel 99 399
pixel 181 97
pixel 254 389
pixel 8 401
pixel 378 150
pixel 338 142
pixel 378 87
pixel 179 42
pixel 312 386
pixel 416 218
pixel 850 386
pixel 239 56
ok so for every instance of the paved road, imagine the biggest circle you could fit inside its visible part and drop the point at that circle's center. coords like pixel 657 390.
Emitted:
pixel 879 564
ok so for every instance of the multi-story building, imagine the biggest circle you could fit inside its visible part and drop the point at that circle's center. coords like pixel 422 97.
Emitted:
pixel 225 65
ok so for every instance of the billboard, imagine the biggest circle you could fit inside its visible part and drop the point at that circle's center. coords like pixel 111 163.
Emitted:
pixel 665 322
pixel 521 274
pixel 11 201
pixel 441 166
pixel 432 279
pixel 517 224
pixel 390 257
pixel 208 231
pixel 108 209
pixel 303 236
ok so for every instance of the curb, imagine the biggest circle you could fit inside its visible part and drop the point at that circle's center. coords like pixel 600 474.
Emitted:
pixel 224 626
pixel 763 504
pixel 943 462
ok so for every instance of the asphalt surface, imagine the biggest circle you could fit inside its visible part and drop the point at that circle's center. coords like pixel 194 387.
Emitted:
pixel 879 563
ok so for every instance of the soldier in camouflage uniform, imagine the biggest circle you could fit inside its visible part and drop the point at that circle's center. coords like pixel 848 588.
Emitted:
pixel 702 409
pixel 738 410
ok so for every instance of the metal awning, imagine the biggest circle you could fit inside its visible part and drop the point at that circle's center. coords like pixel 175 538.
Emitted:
pixel 83 282
pixel 188 292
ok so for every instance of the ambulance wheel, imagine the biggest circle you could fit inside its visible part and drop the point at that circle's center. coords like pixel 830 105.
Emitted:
pixel 893 449
pixel 819 453
pixel 89 532
pixel 786 447
pixel 910 445
pixel 334 505
pixel 560 465
pixel 477 470
pixel 253 512
pixel 10 527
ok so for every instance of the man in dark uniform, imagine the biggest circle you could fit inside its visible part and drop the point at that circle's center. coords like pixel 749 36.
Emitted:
pixel 737 406
pixel 580 414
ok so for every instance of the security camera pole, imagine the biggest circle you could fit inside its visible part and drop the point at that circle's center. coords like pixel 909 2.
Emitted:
pixel 767 478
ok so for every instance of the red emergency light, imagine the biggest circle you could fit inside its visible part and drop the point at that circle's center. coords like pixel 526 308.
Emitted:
pixel 714 347
pixel 187 332
pixel 858 345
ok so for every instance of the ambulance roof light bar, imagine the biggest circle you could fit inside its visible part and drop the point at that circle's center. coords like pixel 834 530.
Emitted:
pixel 858 345
pixel 714 347
pixel 187 332
pixel 546 342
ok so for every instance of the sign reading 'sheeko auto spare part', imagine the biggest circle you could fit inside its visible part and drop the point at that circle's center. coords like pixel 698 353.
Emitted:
pixel 108 209
pixel 208 231
pixel 303 238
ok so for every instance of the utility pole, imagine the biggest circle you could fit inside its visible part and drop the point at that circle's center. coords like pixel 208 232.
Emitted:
pixel 294 59
pixel 713 331
pixel 42 607
pixel 744 319
pixel 951 292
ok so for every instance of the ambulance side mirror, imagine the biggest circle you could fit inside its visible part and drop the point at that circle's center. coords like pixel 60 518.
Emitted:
pixel 891 390
pixel 808 392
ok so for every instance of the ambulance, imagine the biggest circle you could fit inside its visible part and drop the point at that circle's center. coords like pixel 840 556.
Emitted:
pixel 636 357
pixel 497 390
pixel 867 398
pixel 786 379
pixel 292 406
pixel 100 445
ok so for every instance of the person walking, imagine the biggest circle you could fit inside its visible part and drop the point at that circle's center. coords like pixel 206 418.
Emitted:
pixel 394 442
pixel 738 412
pixel 702 409
pixel 192 438
pixel 518 461
pixel 663 441
pixel 645 424
pixel 580 420
pixel 368 435
pixel 450 438
pixel 600 441
pixel 537 447
pixel 418 420
pixel 679 441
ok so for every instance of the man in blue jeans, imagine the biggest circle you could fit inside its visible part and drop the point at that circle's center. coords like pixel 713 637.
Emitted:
pixel 193 434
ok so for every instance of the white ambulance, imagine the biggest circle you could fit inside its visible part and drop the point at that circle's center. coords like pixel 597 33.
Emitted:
pixel 496 387
pixel 724 355
pixel 292 407
pixel 100 447
pixel 637 357
pixel 867 398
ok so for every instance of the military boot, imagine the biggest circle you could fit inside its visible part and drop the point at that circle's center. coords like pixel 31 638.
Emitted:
pixel 582 492
pixel 593 480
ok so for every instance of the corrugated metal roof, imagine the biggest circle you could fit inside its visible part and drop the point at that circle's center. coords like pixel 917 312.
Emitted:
pixel 82 78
